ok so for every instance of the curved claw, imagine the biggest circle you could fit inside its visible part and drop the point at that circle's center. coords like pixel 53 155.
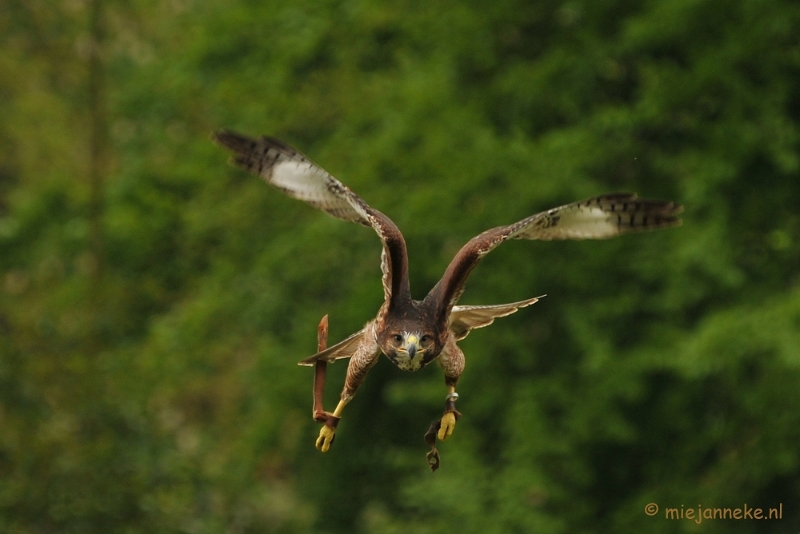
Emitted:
pixel 448 424
pixel 325 439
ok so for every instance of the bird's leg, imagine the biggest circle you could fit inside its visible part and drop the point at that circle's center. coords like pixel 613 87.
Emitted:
pixel 328 432
pixel 365 356
pixel 448 421
pixel 444 426
pixel 452 362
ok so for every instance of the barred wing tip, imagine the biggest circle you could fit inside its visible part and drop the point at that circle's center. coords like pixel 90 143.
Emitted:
pixel 241 147
pixel 237 143
pixel 250 154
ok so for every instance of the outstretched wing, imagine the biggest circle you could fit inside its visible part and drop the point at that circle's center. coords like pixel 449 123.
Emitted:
pixel 290 171
pixel 343 349
pixel 595 218
pixel 598 218
pixel 465 318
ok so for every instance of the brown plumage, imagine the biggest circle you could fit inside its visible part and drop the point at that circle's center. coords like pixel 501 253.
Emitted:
pixel 413 333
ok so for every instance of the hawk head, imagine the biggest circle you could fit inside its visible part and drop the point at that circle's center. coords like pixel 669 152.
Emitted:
pixel 410 346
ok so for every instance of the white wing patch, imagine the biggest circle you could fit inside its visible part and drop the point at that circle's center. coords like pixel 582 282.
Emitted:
pixel 301 180
pixel 574 223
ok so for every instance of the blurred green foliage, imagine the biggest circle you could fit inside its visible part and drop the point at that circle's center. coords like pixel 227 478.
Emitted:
pixel 147 354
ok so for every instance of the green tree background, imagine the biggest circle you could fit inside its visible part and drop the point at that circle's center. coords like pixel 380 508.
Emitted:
pixel 154 300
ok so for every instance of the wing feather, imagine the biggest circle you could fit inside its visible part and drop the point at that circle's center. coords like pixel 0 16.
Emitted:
pixel 463 319
pixel 344 349
pixel 285 168
pixel 294 174
pixel 599 217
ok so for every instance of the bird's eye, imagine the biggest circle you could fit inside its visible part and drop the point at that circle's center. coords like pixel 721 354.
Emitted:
pixel 423 339
pixel 398 338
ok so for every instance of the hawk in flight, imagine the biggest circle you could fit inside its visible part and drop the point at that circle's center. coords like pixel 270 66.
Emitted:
pixel 413 333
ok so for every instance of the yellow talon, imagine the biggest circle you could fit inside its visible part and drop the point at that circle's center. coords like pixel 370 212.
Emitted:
pixel 325 438
pixel 448 424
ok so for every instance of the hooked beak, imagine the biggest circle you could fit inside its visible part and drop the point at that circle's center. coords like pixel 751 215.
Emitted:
pixel 411 346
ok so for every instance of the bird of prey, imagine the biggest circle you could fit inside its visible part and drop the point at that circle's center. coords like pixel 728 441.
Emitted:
pixel 413 333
